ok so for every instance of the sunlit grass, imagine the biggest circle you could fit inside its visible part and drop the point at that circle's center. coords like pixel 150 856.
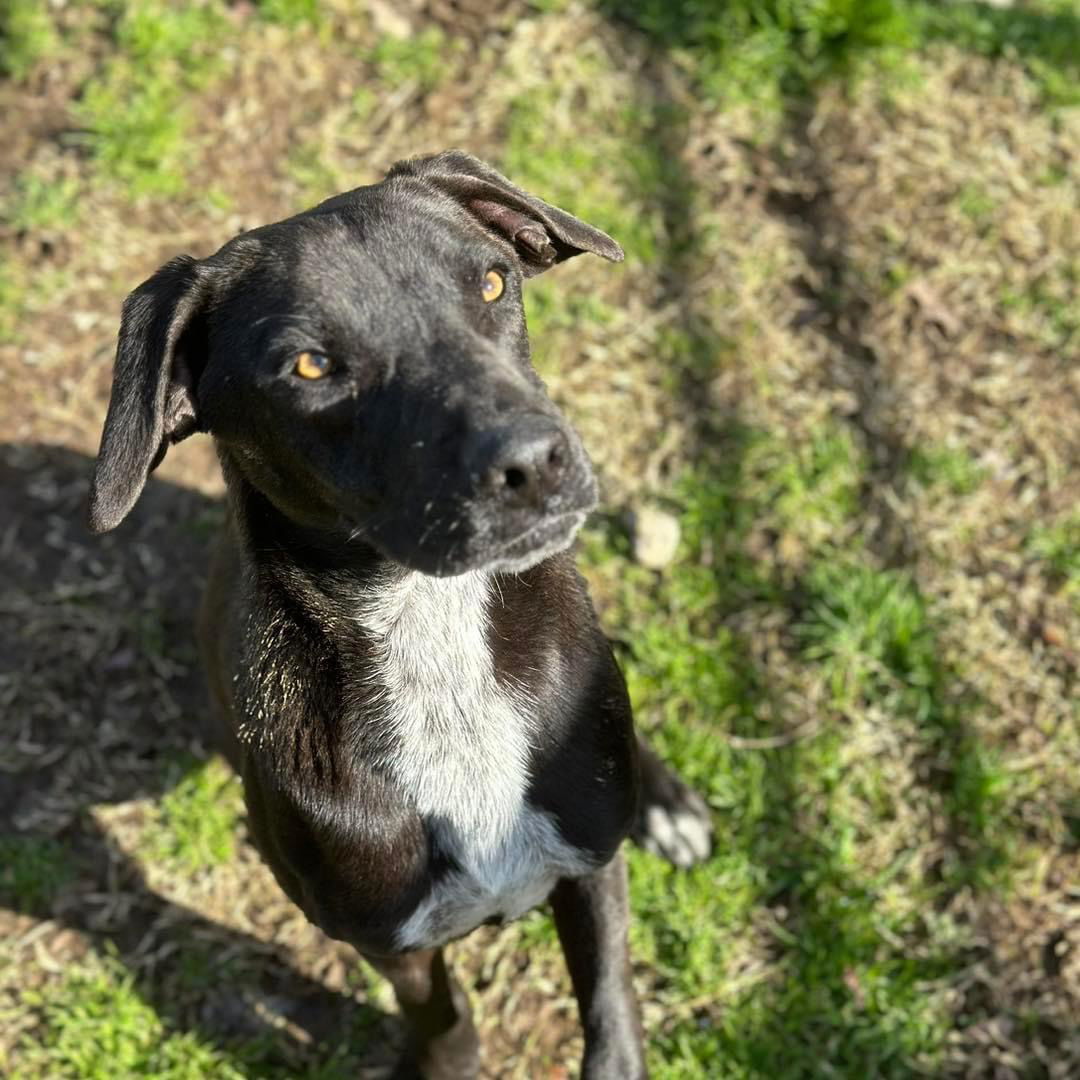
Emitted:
pixel 194 826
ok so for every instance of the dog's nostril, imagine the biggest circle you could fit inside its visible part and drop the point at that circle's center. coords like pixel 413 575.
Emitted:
pixel 521 465
pixel 515 478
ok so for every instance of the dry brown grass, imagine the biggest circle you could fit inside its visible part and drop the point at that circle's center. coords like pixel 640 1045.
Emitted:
pixel 869 269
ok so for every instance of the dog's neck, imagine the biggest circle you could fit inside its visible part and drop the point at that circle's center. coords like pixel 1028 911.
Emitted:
pixel 432 710
pixel 327 557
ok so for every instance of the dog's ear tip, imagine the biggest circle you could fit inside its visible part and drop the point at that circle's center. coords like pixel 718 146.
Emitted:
pixel 98 520
pixel 96 525
pixel 103 511
pixel 605 247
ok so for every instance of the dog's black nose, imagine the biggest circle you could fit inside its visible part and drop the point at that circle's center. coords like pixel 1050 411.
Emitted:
pixel 521 465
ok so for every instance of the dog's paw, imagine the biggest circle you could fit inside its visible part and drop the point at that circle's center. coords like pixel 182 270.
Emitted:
pixel 682 836
pixel 673 820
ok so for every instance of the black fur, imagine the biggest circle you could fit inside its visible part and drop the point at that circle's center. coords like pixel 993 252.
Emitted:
pixel 431 446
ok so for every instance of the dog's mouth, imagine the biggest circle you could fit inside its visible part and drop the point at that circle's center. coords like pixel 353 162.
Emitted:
pixel 536 543
pixel 552 533
pixel 448 536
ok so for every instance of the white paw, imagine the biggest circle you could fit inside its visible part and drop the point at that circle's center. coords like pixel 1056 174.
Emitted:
pixel 682 836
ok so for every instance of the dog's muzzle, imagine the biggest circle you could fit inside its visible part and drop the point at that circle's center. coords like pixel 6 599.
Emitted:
pixel 521 467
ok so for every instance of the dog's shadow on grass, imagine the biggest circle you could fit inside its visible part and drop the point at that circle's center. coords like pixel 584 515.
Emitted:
pixel 100 698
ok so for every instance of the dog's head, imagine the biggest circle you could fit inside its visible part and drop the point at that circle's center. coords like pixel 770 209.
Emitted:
pixel 365 366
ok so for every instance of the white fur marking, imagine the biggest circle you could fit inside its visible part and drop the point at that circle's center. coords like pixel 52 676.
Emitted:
pixel 683 837
pixel 696 831
pixel 461 755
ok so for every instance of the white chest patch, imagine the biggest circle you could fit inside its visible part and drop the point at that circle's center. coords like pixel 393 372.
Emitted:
pixel 461 755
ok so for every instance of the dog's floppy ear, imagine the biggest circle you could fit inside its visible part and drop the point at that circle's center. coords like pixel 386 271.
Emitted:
pixel 541 234
pixel 153 391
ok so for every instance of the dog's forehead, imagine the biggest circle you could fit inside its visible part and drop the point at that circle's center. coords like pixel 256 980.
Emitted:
pixel 363 263
pixel 371 243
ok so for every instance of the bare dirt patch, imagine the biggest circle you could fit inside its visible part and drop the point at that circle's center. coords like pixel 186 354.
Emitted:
pixel 892 262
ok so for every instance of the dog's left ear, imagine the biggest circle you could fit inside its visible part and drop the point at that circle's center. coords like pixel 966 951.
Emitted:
pixel 153 391
pixel 541 234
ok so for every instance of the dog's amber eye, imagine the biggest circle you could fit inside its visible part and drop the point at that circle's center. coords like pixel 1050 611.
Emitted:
pixel 312 365
pixel 492 287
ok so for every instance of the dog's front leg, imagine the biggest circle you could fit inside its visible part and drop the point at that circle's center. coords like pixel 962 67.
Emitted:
pixel 592 916
pixel 444 1042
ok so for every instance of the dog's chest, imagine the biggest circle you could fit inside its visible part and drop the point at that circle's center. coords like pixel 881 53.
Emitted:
pixel 460 754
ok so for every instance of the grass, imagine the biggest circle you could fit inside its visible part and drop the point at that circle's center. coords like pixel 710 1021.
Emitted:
pixel 12 303
pixel 291 13
pixel 542 150
pixel 195 823
pixel 420 60
pixel 945 467
pixel 35 870
pixel 39 204
pixel 1044 36
pixel 766 51
pixel 1057 544
pixel 1047 307
pixel 763 51
pixel 885 736
pixel 96 1026
pixel 833 963
pixel 27 36
pixel 137 110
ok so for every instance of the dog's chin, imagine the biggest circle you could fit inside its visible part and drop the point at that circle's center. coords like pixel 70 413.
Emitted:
pixel 540 542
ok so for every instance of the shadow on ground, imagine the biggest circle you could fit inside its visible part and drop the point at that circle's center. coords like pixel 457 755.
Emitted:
pixel 101 696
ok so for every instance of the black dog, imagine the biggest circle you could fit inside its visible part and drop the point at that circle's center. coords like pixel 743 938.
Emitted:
pixel 431 728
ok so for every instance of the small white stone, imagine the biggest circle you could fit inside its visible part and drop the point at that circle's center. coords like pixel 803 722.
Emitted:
pixel 656 537
pixel 388 21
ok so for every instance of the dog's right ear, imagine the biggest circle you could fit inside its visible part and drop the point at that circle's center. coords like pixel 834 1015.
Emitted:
pixel 541 234
pixel 153 398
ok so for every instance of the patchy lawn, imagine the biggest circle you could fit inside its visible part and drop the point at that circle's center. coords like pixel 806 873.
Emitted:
pixel 844 351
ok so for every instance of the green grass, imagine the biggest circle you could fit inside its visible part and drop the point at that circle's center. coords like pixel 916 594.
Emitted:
pixel 947 468
pixel 35 203
pixel 759 52
pixel 543 152
pixel 1045 36
pixel 13 299
pixel 1057 543
pixel 24 291
pixel 33 871
pixel 843 962
pixel 315 177
pixel 138 108
pixel 871 634
pixel 96 1026
pixel 763 52
pixel 195 822
pixel 810 488
pixel 808 689
pixel 291 13
pixel 835 942
pixel 421 60
pixel 27 36
pixel 97 1023
pixel 1046 307
pixel 625 178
